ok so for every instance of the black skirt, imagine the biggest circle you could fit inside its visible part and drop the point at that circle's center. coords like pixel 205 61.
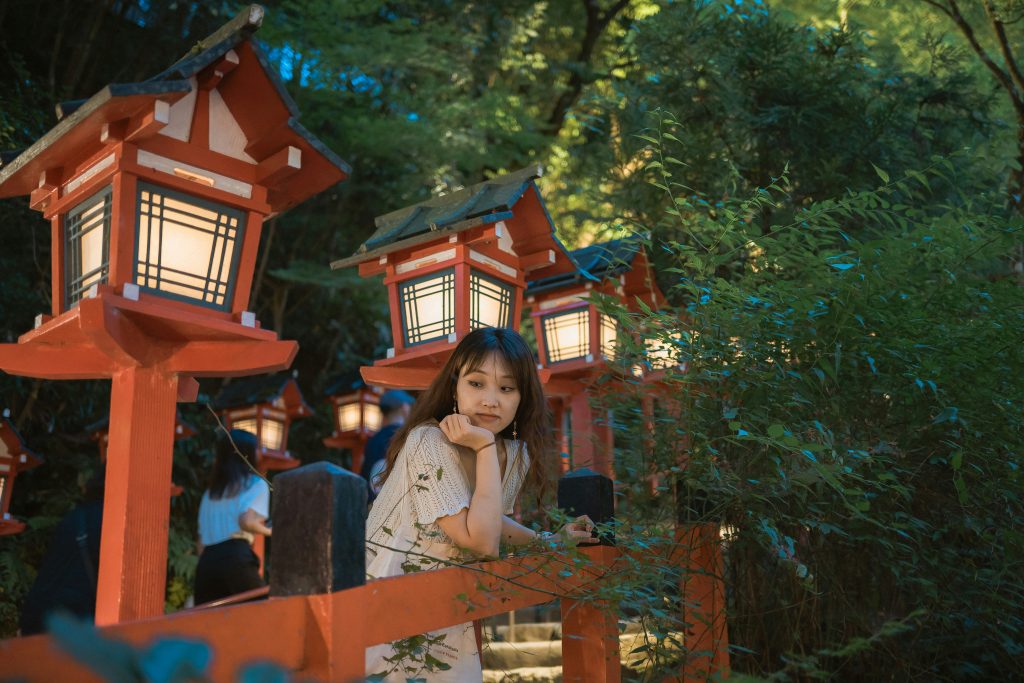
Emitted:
pixel 226 569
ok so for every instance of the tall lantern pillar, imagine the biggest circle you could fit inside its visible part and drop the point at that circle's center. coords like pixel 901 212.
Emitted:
pixel 453 264
pixel 156 193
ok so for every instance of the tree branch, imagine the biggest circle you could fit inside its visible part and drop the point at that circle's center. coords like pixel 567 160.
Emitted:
pixel 1004 45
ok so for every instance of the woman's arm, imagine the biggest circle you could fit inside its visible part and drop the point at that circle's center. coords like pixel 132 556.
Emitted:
pixel 254 523
pixel 477 528
pixel 514 533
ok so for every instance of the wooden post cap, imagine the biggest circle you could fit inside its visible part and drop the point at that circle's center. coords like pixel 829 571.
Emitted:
pixel 319 542
pixel 585 492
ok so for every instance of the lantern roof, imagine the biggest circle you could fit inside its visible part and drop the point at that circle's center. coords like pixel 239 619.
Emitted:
pixel 594 262
pixel 12 446
pixel 485 203
pixel 263 389
pixel 254 96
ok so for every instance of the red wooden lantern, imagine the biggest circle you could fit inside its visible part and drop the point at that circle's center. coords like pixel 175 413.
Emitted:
pixel 265 407
pixel 453 264
pixel 156 193
pixel 355 409
pixel 575 340
pixel 15 457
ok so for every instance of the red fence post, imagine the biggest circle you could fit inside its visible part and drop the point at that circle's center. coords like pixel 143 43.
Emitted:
pixel 590 634
pixel 702 588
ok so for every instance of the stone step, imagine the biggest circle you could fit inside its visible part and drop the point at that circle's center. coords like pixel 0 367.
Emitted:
pixel 548 630
pixel 532 674
pixel 504 656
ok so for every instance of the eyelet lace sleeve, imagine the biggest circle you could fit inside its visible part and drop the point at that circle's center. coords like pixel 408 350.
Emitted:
pixel 438 482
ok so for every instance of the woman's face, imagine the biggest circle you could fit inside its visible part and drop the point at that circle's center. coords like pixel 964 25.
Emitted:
pixel 488 395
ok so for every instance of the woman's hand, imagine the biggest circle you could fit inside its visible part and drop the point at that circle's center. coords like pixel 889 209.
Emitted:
pixel 577 532
pixel 461 431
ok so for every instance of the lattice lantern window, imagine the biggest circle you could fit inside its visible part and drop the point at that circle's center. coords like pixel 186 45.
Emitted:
pixel 87 246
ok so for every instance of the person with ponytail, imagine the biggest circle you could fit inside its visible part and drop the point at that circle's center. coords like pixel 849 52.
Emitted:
pixel 234 508
pixel 474 438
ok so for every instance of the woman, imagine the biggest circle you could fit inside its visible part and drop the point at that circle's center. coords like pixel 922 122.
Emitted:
pixel 234 508
pixel 452 476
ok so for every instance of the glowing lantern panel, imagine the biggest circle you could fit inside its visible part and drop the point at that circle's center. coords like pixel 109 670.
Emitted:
pixel 186 246
pixel 567 335
pixel 87 244
pixel 490 302
pixel 428 307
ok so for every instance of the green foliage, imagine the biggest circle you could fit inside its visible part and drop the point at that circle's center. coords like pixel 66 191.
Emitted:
pixel 851 413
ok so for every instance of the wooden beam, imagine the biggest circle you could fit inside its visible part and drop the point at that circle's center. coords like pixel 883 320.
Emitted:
pixel 396 377
pixel 538 259
pixel 279 166
pixel 150 124
pixel 231 358
pixel 210 77
pixel 113 131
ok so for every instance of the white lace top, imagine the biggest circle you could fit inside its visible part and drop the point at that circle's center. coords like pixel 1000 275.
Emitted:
pixel 426 483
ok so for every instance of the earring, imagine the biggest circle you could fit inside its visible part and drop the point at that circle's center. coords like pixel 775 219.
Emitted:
pixel 515 435
pixel 455 409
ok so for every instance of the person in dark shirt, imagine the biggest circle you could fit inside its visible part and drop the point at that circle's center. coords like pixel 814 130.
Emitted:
pixel 67 576
pixel 395 406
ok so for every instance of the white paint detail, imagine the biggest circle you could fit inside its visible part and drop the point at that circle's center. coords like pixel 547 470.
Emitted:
pixel 452 338
pixel 497 265
pixel 38 323
pixel 162 112
pixel 92 292
pixel 87 174
pixel 590 358
pixel 248 319
pixel 226 136
pixel 130 291
pixel 176 168
pixel 180 115
pixel 382 261
pixel 23 459
pixel 391 352
pixel 504 238
pixel 430 259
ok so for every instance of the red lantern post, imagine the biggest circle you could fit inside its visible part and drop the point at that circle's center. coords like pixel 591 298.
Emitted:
pixel 15 457
pixel 453 264
pixel 156 193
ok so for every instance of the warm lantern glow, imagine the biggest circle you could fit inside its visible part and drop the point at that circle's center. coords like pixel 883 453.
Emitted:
pixel 373 417
pixel 187 247
pixel 272 434
pixel 428 307
pixel 609 334
pixel 661 354
pixel 490 302
pixel 87 241
pixel 269 431
pixel 567 335
pixel 349 417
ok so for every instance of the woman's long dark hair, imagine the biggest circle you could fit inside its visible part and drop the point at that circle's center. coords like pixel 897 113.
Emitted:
pixel 232 464
pixel 532 420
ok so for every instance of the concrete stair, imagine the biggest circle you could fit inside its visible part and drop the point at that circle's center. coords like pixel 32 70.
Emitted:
pixel 532 652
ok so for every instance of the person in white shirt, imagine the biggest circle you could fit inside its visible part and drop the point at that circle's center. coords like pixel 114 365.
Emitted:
pixel 234 508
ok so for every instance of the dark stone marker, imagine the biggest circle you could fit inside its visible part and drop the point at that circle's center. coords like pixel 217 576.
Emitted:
pixel 585 492
pixel 319 531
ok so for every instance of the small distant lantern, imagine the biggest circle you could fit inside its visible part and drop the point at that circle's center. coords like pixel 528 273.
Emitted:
pixel 265 407
pixel 453 264
pixel 15 457
pixel 355 408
